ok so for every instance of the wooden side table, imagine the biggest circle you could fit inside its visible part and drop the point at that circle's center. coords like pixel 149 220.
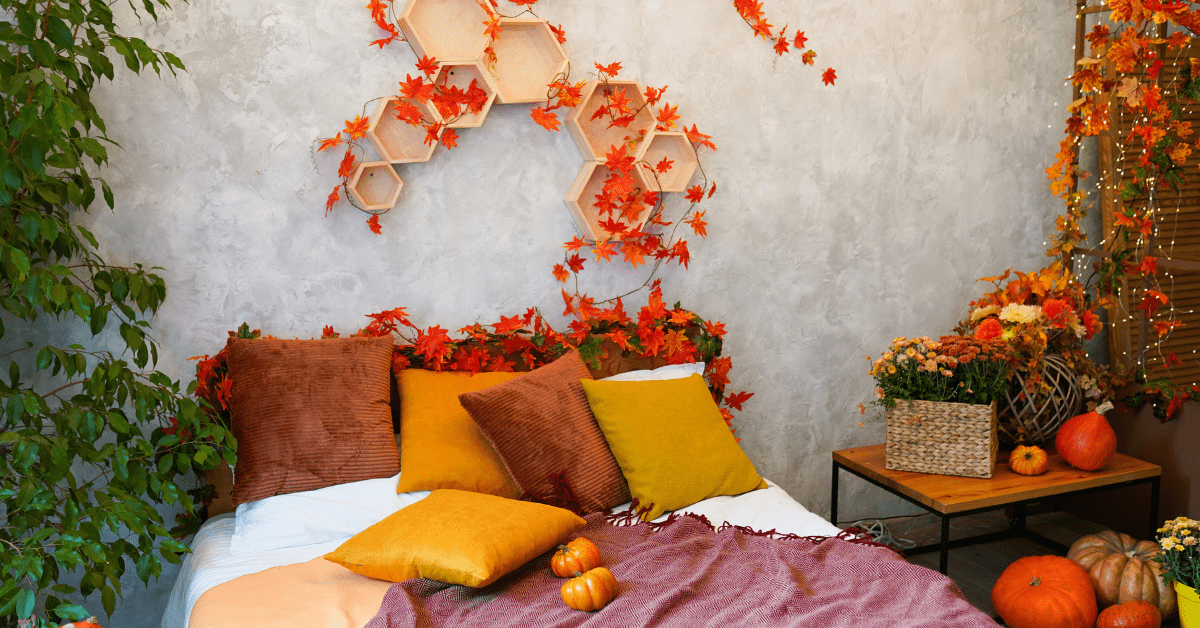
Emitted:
pixel 951 496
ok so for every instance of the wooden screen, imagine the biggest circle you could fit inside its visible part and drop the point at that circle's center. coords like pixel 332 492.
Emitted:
pixel 1176 244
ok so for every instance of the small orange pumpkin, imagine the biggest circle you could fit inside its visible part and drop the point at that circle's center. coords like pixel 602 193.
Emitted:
pixel 1134 614
pixel 590 591
pixel 1028 460
pixel 90 622
pixel 580 555
pixel 1087 441
pixel 1040 591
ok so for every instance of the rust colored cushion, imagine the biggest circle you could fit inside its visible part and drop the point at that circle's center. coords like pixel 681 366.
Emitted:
pixel 541 425
pixel 310 413
pixel 440 447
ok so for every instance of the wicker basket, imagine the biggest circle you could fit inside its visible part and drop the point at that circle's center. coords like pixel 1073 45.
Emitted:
pixel 942 437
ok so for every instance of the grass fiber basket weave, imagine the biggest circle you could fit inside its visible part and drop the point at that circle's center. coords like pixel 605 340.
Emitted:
pixel 942 437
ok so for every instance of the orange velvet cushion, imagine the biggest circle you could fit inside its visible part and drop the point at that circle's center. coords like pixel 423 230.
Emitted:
pixel 309 414
pixel 541 425
pixel 440 446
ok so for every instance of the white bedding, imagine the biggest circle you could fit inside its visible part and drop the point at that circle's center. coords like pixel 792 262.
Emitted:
pixel 211 563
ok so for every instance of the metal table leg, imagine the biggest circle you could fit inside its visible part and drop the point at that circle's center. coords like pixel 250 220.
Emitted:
pixel 944 559
pixel 833 498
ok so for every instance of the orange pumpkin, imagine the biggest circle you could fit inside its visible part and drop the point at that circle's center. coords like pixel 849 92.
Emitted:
pixel 1028 460
pixel 1123 569
pixel 590 591
pixel 579 555
pixel 1087 441
pixel 1135 614
pixel 1041 591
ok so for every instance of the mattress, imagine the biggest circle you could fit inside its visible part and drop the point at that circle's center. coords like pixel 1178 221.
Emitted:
pixel 293 529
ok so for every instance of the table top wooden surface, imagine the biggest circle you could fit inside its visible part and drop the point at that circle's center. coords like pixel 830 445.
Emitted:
pixel 949 494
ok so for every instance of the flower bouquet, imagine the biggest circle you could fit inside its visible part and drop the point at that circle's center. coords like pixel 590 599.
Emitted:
pixel 939 397
pixel 1043 317
pixel 1179 539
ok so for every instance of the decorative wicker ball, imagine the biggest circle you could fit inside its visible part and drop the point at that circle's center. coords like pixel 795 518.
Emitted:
pixel 1035 419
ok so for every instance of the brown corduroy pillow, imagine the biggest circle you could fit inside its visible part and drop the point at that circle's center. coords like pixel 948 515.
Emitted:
pixel 541 425
pixel 310 413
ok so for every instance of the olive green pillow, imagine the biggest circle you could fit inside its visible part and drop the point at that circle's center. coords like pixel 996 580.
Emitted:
pixel 671 442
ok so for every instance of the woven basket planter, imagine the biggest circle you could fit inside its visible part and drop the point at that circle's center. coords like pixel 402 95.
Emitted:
pixel 942 437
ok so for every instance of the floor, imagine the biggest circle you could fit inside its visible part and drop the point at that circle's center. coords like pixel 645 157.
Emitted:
pixel 975 568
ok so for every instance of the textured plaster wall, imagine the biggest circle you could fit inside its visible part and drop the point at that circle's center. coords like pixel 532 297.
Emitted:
pixel 845 215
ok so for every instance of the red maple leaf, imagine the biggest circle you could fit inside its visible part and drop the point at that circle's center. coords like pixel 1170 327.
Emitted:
pixel 653 95
pixel 357 127
pixel 1172 360
pixel 575 263
pixel 736 400
pixel 663 166
pixel 712 190
pixel 829 76
pixel 327 332
pixel 346 168
pixel 561 273
pixel 431 133
pixel 409 112
pixel 547 119
pixel 652 339
pixel 699 139
pixel 333 198
pixel 524 2
pixel 1148 265
pixel 808 57
pixel 373 223
pixel 493 29
pixel 433 345
pixel 605 250
pixel 698 225
pixel 449 139
pixel 508 324
pixel 1151 301
pixel 781 42
pixel 667 116
pixel 416 87
pixel 800 40
pixel 633 251
pixel 716 329
pixel 559 33
pixel 610 69
pixel 695 194
pixel 329 143
pixel 575 244
pixel 618 159
pixel 427 65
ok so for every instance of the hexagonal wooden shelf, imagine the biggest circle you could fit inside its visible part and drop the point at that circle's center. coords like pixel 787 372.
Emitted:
pixel 675 147
pixel 528 57
pixel 460 75
pixel 581 199
pixel 595 137
pixel 447 30
pixel 375 185
pixel 396 140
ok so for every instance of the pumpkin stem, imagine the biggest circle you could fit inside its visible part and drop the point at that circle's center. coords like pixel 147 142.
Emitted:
pixel 1035 582
pixel 577 574
pixel 1104 407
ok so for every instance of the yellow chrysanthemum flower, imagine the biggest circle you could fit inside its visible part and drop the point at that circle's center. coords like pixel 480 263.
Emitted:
pixel 1017 313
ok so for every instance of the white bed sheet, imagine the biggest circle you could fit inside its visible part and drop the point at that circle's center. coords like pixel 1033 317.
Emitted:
pixel 211 563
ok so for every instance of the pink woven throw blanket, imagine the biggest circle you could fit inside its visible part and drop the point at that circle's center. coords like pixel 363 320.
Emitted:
pixel 685 574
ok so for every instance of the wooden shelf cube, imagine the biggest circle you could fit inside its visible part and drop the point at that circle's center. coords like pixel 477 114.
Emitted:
pixel 447 30
pixel 595 137
pixel 528 58
pixel 675 147
pixel 396 140
pixel 460 75
pixel 375 185
pixel 581 199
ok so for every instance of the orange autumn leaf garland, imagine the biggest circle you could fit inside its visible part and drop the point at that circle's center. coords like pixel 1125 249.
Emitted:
pixel 751 12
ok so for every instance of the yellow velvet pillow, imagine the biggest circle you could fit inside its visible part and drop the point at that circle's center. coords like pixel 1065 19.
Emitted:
pixel 457 537
pixel 440 446
pixel 673 447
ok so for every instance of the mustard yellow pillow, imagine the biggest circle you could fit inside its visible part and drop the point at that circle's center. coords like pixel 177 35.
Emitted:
pixel 440 446
pixel 457 537
pixel 673 447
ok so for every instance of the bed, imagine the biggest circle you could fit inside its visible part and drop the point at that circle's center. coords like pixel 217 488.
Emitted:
pixel 330 531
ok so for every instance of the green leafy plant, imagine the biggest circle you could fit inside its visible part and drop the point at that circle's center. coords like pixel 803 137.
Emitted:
pixel 90 441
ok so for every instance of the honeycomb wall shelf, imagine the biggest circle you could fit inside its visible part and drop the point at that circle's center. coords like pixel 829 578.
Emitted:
pixel 375 185
pixel 673 146
pixel 581 199
pixel 460 75
pixel 447 30
pixel 528 57
pixel 396 140
pixel 594 138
